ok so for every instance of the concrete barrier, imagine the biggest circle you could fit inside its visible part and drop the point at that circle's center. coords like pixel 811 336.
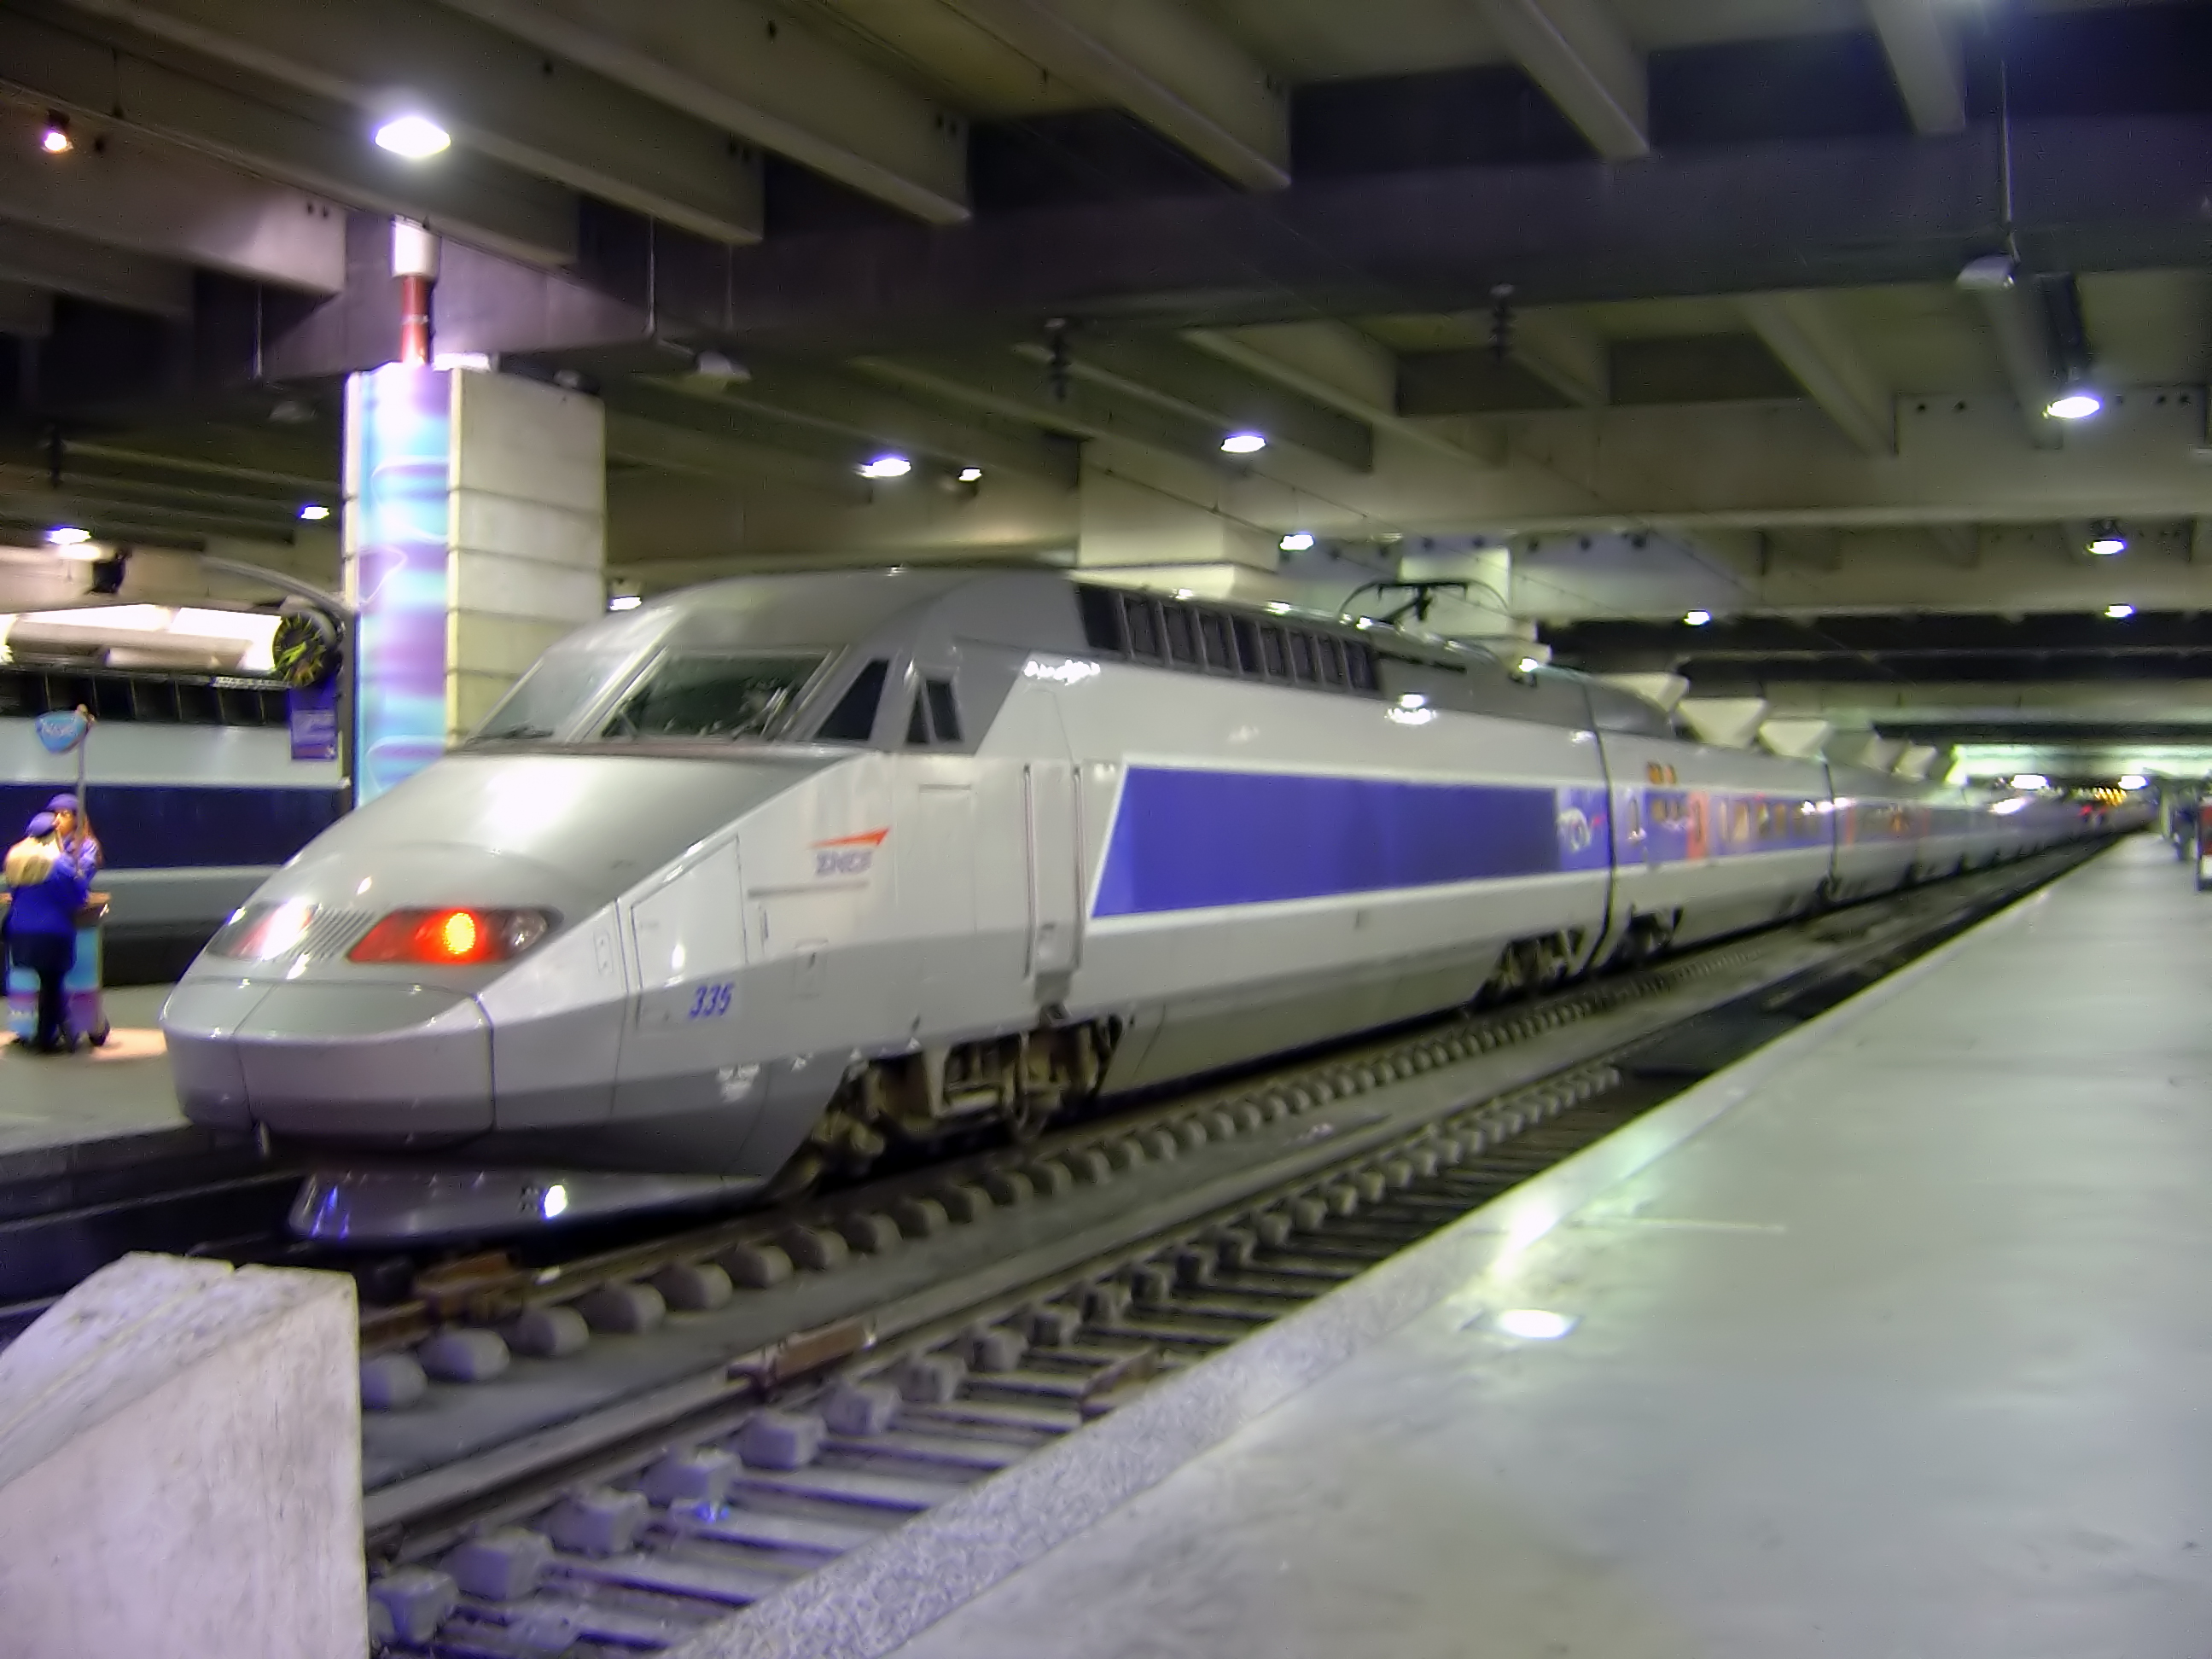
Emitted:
pixel 180 1468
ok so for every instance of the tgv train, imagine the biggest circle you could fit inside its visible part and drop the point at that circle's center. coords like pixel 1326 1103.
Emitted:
pixel 743 884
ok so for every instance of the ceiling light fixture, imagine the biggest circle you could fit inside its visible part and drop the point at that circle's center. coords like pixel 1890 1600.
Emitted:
pixel 971 475
pixel 2075 404
pixel 417 137
pixel 314 511
pixel 1243 443
pixel 624 601
pixel 2119 612
pixel 2134 780
pixel 54 137
pixel 2106 539
pixel 67 535
pixel 1696 618
pixel 886 466
pixel 1297 542
pixel 2030 780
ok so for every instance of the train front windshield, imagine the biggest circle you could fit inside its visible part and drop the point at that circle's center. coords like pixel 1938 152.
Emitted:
pixel 721 695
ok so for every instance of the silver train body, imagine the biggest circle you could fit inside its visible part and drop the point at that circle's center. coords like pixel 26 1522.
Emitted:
pixel 825 861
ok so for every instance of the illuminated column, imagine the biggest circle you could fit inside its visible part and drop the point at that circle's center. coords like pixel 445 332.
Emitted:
pixel 475 537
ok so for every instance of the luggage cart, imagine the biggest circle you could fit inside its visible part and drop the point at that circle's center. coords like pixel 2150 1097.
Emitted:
pixel 86 1011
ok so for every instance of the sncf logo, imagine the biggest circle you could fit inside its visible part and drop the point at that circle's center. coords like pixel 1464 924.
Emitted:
pixel 848 855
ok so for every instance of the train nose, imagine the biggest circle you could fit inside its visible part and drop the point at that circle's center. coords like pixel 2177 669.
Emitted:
pixel 402 1064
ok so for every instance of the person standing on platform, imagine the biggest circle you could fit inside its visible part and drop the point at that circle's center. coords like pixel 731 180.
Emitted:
pixel 45 890
pixel 74 830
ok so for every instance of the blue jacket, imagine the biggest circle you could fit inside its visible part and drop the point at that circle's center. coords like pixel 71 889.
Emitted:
pixel 51 906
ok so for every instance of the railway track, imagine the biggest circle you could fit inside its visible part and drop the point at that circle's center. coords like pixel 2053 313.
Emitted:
pixel 606 1455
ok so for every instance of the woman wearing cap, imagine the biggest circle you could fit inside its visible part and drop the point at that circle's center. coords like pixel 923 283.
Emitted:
pixel 45 890
pixel 73 830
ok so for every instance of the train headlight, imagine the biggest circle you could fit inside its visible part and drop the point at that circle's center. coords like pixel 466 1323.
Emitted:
pixel 452 937
pixel 262 933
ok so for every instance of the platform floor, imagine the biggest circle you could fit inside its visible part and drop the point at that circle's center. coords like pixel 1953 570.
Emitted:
pixel 98 1106
pixel 1892 1340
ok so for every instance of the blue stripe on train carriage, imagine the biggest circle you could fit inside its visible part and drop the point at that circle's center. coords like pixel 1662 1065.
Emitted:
pixel 1188 840
pixel 144 826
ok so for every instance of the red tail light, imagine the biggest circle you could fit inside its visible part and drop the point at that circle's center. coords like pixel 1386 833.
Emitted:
pixel 452 937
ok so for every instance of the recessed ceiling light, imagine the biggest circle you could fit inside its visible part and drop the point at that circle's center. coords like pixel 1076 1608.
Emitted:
pixel 67 535
pixel 2079 404
pixel 1243 443
pixel 1536 1324
pixel 1696 618
pixel 1297 542
pixel 2106 546
pixel 2119 612
pixel 54 137
pixel 886 466
pixel 314 512
pixel 971 475
pixel 417 137
pixel 624 601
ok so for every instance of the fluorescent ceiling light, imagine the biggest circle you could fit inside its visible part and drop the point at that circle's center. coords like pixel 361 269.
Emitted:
pixel 417 137
pixel 67 535
pixel 2078 405
pixel 2119 612
pixel 314 512
pixel 1696 618
pixel 971 475
pixel 1243 443
pixel 2106 546
pixel 886 466
pixel 624 601
pixel 1297 542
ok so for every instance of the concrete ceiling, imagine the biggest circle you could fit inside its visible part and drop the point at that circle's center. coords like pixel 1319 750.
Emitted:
pixel 1661 296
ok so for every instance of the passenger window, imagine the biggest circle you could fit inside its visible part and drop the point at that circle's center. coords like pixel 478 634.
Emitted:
pixel 1213 635
pixel 853 718
pixel 1331 660
pixel 1359 667
pixel 1277 652
pixel 1301 659
pixel 1102 620
pixel 1248 647
pixel 944 712
pixel 1183 637
pixel 1144 629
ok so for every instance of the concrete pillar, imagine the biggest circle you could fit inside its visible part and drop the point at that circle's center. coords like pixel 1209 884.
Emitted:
pixel 180 1468
pixel 475 537
pixel 527 533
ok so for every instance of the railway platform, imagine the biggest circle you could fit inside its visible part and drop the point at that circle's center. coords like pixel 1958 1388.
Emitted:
pixel 1888 1340
pixel 98 1107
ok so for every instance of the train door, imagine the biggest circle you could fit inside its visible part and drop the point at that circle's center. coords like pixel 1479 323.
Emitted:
pixel 1054 878
pixel 937 891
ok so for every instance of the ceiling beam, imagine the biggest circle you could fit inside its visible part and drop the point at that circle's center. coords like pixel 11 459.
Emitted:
pixel 1332 363
pixel 1565 353
pixel 857 408
pixel 86 270
pixel 1196 383
pixel 1577 53
pixel 1924 60
pixel 635 441
pixel 200 106
pixel 1803 330
pixel 1002 383
pixel 126 192
pixel 759 74
pixel 1164 63
pixel 498 95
